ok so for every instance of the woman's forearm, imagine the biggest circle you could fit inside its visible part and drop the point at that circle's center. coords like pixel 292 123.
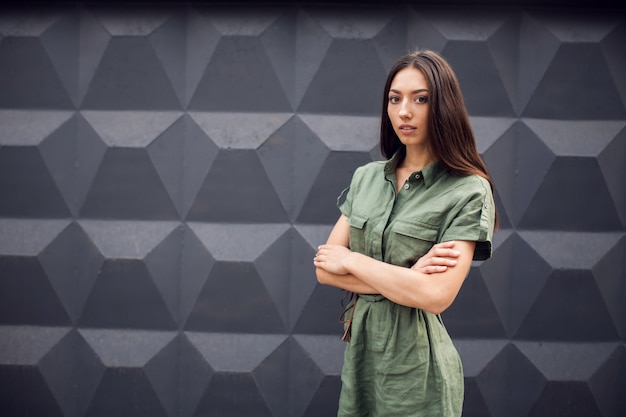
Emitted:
pixel 409 287
pixel 345 282
pixel 340 267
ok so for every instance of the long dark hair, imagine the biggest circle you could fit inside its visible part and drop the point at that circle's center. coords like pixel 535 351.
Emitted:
pixel 451 138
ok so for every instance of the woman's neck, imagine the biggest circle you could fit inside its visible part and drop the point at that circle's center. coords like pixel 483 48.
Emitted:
pixel 416 159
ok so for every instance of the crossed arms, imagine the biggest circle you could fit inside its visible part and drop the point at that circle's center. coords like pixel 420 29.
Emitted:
pixel 431 284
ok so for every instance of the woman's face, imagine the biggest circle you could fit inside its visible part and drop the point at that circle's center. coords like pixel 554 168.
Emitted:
pixel 408 107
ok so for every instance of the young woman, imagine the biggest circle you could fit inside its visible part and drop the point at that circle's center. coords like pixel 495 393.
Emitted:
pixel 404 243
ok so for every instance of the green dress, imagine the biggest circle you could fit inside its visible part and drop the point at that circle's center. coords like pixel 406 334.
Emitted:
pixel 400 361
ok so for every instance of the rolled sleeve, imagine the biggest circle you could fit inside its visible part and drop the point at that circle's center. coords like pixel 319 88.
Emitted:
pixel 474 221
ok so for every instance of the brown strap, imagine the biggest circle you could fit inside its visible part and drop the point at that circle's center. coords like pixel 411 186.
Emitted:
pixel 348 323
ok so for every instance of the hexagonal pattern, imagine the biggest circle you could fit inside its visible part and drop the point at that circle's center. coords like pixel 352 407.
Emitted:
pixel 167 172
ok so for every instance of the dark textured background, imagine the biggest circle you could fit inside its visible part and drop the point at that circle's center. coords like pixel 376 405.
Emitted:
pixel 167 171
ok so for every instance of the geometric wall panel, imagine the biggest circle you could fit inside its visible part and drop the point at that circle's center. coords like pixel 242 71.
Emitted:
pixel 24 281
pixel 238 363
pixel 167 172
pixel 29 79
pixel 333 175
pixel 71 263
pixel 533 159
pixel 506 396
pixel 514 279
pixel 315 308
pixel 239 275
pixel 22 355
pixel 73 153
pixel 289 156
pixel 564 381
pixel 613 170
pixel 320 357
pixel 72 371
pixel 342 154
pixel 140 306
pixel 613 264
pixel 182 155
pixel 230 81
pixel 127 184
pixel 583 314
pixel 608 380
pixel 575 167
pixel 230 77
pixel 126 78
pixel 250 193
pixel 555 97
pixel 228 282
pixel 485 320
pixel 475 356
pixel 125 384
pixel 486 293
pixel 497 141
pixel 26 183
pixel 336 76
pixel 126 247
pixel 483 82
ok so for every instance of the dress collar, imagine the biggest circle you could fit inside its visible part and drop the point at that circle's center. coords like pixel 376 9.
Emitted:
pixel 431 173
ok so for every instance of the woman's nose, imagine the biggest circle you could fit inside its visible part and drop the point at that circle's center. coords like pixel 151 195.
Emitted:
pixel 404 110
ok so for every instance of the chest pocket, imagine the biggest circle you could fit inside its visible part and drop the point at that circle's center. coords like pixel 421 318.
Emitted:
pixel 411 240
pixel 357 224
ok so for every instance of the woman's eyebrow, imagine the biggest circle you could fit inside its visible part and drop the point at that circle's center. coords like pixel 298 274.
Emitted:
pixel 421 90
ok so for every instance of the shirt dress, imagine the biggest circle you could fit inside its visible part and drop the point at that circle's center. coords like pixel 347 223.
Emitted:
pixel 400 361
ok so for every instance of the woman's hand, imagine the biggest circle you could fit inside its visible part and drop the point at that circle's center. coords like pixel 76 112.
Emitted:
pixel 331 258
pixel 438 259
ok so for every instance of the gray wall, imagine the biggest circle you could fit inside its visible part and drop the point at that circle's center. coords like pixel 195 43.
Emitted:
pixel 165 175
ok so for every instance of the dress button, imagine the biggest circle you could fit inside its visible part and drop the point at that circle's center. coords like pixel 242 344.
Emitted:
pixel 417 176
pixel 406 186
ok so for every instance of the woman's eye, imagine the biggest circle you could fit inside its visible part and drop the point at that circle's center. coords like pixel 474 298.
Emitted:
pixel 421 99
pixel 394 99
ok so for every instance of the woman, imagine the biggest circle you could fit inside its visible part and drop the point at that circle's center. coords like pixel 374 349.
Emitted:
pixel 409 230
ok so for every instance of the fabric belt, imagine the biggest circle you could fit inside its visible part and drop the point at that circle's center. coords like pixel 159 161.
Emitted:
pixel 371 298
